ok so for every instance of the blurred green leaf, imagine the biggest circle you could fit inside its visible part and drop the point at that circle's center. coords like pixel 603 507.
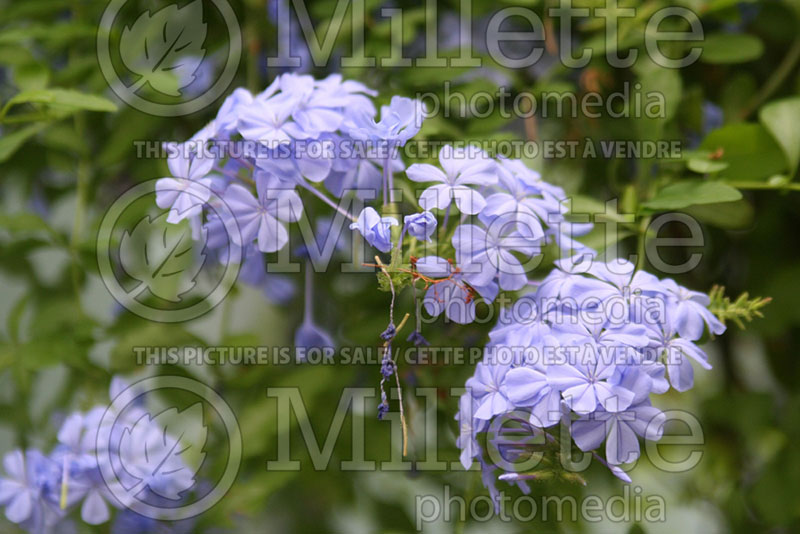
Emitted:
pixel 749 150
pixel 31 76
pixel 782 119
pixel 690 193
pixel 57 34
pixel 706 166
pixel 68 98
pixel 23 222
pixel 731 48
pixel 734 215
pixel 10 143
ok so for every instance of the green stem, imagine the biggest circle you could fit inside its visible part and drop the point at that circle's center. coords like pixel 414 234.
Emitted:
pixel 82 185
pixel 642 242
pixel 765 186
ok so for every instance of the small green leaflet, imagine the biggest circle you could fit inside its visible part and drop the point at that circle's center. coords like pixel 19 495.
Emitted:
pixel 692 192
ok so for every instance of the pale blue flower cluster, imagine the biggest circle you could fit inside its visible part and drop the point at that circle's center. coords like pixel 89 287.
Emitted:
pixel 39 491
pixel 586 347
pixel 586 350
pixel 261 150
pixel 514 214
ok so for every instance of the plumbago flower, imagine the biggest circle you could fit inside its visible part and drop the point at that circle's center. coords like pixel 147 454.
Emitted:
pixel 421 225
pixel 260 218
pixel 186 193
pixel 486 254
pixel 461 168
pixel 448 293
pixel 589 352
pixel 39 491
pixel 375 229
pixel 587 345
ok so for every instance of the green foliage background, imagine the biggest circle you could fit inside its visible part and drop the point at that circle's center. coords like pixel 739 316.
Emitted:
pixel 67 151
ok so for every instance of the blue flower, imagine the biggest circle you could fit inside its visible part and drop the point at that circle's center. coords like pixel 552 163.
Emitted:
pixel 270 122
pixel 361 176
pixel 689 312
pixel 488 388
pixel 352 96
pixel 463 167
pixel 314 110
pixel 78 436
pixel 619 430
pixel 469 427
pixel 448 294
pixel 375 229
pixel 486 254
pixel 260 218
pixel 675 351
pixel 399 122
pixel 523 198
pixel 228 116
pixel 30 492
pixel 185 194
pixel 584 382
pixel 421 225
pixel 524 385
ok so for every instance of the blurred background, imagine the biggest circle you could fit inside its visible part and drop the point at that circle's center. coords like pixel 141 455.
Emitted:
pixel 63 336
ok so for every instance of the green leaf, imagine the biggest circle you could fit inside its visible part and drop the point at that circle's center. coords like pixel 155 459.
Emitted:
pixel 23 222
pixel 722 48
pixel 12 55
pixel 690 193
pixel 31 8
pixel 782 119
pixel 706 166
pixel 40 353
pixel 659 80
pixel 61 97
pixel 10 143
pixel 31 76
pixel 15 318
pixel 53 34
pixel 749 150
pixel 596 209
pixel 736 215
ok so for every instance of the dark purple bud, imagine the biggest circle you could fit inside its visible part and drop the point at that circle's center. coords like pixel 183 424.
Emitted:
pixel 389 333
pixel 383 409
pixel 387 366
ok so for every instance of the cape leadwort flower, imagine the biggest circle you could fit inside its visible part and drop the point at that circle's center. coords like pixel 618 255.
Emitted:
pixel 462 168
pixel 260 218
pixel 185 194
pixel 420 225
pixel 375 229
pixel 587 366
pixel 601 337
pixel 485 255
pixel 38 491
